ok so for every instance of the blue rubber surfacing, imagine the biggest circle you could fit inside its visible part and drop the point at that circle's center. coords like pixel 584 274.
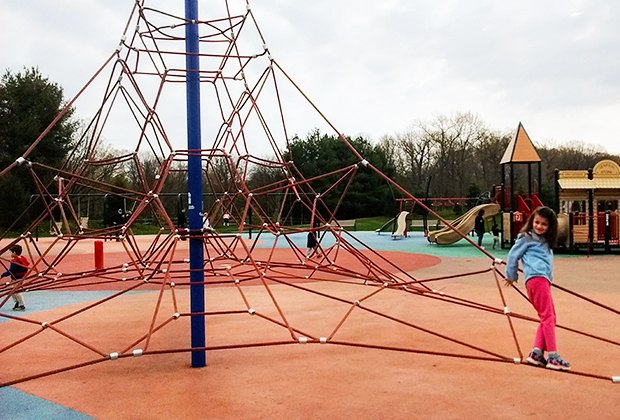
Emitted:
pixel 19 405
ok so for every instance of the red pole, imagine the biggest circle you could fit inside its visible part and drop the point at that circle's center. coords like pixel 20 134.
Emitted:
pixel 98 255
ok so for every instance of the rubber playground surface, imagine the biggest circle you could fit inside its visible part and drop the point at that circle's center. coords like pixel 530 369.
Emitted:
pixel 297 380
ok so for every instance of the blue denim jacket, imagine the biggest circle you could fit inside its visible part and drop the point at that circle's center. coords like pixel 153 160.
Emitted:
pixel 536 255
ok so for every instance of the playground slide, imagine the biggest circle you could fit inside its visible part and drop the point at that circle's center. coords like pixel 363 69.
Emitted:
pixel 464 224
pixel 401 225
pixel 431 235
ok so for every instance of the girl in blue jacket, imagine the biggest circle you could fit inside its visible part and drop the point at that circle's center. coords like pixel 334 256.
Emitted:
pixel 534 247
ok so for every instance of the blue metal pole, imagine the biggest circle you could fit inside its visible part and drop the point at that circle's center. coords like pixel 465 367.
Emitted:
pixel 194 185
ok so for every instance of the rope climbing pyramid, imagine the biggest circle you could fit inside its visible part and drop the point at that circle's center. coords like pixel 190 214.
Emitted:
pixel 354 296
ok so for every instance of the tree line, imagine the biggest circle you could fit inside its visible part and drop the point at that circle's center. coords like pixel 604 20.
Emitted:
pixel 447 156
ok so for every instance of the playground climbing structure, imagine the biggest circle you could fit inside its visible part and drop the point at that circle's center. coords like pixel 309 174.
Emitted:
pixel 247 97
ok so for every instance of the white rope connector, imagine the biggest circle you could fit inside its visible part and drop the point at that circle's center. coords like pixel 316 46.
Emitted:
pixel 164 270
pixel 302 340
pixel 516 360
pixel 323 340
pixel 114 355
pixel 158 176
pixel 172 284
pixel 252 311
pixel 364 162
pixel 248 7
pixel 44 325
pixel 185 260
pixel 125 269
pixel 20 160
pixel 356 303
pixel 176 315
pixel 498 261
pixel 124 279
pixel 137 352
pixel 615 379
pixel 506 310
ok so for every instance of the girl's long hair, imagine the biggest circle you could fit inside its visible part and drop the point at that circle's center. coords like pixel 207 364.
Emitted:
pixel 551 235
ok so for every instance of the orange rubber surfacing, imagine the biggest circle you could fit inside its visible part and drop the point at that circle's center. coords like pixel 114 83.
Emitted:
pixel 260 297
pixel 285 259
pixel 319 380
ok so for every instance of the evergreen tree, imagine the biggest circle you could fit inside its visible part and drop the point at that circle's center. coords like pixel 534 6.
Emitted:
pixel 29 102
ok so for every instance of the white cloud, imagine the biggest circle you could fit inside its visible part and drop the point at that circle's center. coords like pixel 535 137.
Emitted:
pixel 374 67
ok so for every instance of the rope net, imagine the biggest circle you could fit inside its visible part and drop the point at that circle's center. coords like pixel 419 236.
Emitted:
pixel 251 104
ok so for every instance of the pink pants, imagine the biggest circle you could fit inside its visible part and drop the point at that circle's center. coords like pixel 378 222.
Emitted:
pixel 539 292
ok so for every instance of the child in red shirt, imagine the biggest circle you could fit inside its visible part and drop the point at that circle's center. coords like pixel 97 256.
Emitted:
pixel 17 270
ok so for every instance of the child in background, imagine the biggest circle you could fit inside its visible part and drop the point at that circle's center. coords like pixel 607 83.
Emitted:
pixel 534 248
pixel 17 270
pixel 311 243
pixel 479 227
pixel 495 232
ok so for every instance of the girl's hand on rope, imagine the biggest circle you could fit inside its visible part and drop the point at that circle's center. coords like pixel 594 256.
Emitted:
pixel 509 283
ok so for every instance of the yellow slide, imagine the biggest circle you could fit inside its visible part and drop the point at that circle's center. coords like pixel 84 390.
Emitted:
pixel 464 224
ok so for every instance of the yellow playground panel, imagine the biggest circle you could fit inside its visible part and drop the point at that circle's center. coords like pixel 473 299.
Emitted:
pixel 588 201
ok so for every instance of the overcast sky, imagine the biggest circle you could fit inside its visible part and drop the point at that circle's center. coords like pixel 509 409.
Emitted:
pixel 375 67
